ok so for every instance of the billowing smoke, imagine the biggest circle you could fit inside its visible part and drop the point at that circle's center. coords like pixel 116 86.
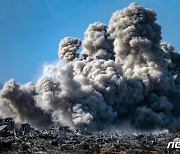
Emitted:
pixel 124 75
pixel 68 47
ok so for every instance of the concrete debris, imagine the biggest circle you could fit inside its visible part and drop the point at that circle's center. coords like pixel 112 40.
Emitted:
pixel 25 139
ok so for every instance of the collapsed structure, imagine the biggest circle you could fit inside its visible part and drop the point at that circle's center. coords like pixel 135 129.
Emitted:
pixel 124 75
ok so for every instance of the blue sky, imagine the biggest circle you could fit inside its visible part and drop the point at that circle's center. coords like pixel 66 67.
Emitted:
pixel 30 30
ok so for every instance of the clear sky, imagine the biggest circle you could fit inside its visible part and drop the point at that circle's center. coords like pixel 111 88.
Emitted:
pixel 30 30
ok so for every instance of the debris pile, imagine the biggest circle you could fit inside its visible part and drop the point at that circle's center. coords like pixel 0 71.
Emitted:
pixel 61 139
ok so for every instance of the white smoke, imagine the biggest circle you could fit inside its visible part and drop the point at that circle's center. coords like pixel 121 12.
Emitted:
pixel 124 75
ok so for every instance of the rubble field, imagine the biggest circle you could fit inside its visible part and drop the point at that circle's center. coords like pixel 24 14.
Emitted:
pixel 26 139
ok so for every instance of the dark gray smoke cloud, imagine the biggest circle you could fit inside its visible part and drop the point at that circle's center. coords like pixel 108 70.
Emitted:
pixel 124 75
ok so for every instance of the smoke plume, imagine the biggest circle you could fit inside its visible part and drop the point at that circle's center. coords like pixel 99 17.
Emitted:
pixel 123 75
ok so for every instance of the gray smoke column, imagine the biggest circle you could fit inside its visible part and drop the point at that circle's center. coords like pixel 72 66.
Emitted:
pixel 124 75
pixel 68 47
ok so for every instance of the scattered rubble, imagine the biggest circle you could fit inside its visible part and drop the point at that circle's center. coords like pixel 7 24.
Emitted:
pixel 25 139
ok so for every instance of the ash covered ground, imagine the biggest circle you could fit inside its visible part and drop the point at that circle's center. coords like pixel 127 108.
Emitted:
pixel 26 139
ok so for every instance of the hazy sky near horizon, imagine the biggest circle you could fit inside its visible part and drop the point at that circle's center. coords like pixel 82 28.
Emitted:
pixel 30 30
